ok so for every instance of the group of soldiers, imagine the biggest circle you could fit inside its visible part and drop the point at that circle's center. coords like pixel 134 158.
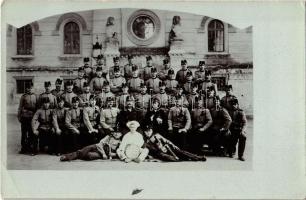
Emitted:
pixel 183 107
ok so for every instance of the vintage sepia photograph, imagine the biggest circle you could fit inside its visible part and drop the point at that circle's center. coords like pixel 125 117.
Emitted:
pixel 128 88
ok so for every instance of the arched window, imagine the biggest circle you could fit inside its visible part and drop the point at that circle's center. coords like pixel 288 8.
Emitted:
pixel 24 40
pixel 71 38
pixel 215 36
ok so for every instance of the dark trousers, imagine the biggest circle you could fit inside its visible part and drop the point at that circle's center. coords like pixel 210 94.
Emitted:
pixel 71 141
pixel 45 140
pixel 237 137
pixel 89 152
pixel 197 139
pixel 27 135
pixel 57 143
pixel 217 139
pixel 187 156
pixel 179 139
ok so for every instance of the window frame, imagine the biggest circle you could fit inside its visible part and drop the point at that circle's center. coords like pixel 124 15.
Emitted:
pixel 63 41
pixel 215 30
pixel 32 41
pixel 22 78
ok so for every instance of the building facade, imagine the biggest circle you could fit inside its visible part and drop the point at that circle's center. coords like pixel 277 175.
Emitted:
pixel 54 47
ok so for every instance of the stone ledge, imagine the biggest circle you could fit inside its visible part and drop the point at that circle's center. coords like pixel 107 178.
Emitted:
pixel 40 68
pixel 23 57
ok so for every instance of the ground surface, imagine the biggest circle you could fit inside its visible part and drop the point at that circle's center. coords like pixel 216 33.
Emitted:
pixel 17 161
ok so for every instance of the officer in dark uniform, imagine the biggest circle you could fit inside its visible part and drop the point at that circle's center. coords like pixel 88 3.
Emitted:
pixel 73 123
pixel 79 82
pixel 188 84
pixel 58 122
pixel 91 116
pixel 84 97
pixel 121 99
pixel 68 94
pixel 171 83
pixel 154 81
pixel 191 97
pixel 210 99
pixel 128 73
pixel 179 122
pixel 146 73
pixel 88 70
pixel 27 107
pixel 182 73
pixel 48 94
pixel 143 100
pixel 96 84
pixel 58 91
pixel 42 127
pixel 116 64
pixel 157 118
pixel 225 101
pixel 218 133
pixel 163 74
pixel 101 97
pixel 199 75
pixel 238 129
pixel 129 114
pixel 201 120
pixel 135 82
pixel 117 81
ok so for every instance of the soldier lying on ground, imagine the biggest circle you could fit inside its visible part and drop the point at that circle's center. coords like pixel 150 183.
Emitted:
pixel 163 149
pixel 105 149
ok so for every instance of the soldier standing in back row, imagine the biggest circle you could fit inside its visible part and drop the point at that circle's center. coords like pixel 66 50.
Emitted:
pixel 238 130
pixel 27 107
pixel 84 97
pixel 154 81
pixel 163 73
pixel 116 65
pixel 143 101
pixel 135 82
pixel 225 101
pixel 199 75
pixel 181 75
pixel 68 94
pixel 88 71
pixel 79 82
pixel 96 84
pixel 128 73
pixel 208 83
pixel 48 94
pixel 163 98
pixel 117 81
pixel 58 91
pixel 146 73
pixel 171 83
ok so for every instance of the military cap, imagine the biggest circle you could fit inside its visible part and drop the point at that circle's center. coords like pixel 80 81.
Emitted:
pixel 106 83
pixel 228 87
pixel 30 85
pixel 142 85
pixel 47 83
pixel 75 99
pixel 207 72
pixel 99 69
pixel 92 96
pixel 183 62
pixel 69 83
pixel 166 61
pixel 233 101
pixel 85 84
pixel 81 69
pixel 149 58
pixel 153 69
pixel 58 81
pixel 124 85
pixel 202 62
pixel 116 59
pixel 109 99
pixel 59 99
pixel 130 98
pixel 189 73
pixel 116 68
pixel 194 85
pixel 134 68
pixel 162 84
pixel 100 56
pixel 130 57
pixel 86 59
pixel 45 100
pixel 170 71
pixel 148 127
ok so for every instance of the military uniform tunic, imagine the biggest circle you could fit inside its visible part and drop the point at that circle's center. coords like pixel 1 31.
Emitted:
pixel 90 117
pixel 201 118
pixel 101 98
pixel 78 84
pixel 128 73
pixel 153 83
pixel 116 84
pixel 42 120
pixel 96 84
pixel 134 84
pixel 181 76
pixel 68 98
pixel 163 74
pixel 179 117
pixel 58 118
pixel 171 86
pixel 27 106
pixel 112 72
pixel 73 119
pixel 57 93
pixel 108 118
pixel 188 87
pixel 199 76
pixel 84 99
pixel 121 101
pixel 225 101
pixel 52 98
pixel 146 73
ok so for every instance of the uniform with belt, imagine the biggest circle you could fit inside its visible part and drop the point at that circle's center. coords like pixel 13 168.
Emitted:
pixel 108 119
pixel 116 84
pixel 153 83
pixel 142 103
pixel 134 84
pixel 58 122
pixel 78 85
pixel 52 98
pixel 73 123
pixel 96 84
pixel 91 116
pixel 27 107
pixel 68 98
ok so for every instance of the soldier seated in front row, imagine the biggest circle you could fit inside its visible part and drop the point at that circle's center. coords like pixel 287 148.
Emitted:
pixel 42 127
pixel 105 149
pixel 163 149
pixel 108 117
